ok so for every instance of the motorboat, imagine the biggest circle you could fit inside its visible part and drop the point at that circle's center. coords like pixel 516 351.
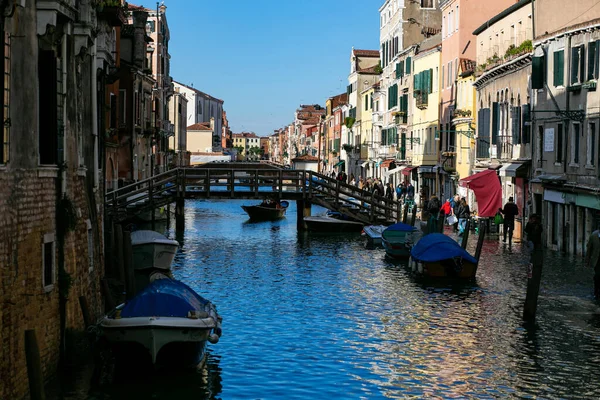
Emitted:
pixel 333 221
pixel 152 250
pixel 398 239
pixel 373 234
pixel 167 323
pixel 439 256
pixel 267 210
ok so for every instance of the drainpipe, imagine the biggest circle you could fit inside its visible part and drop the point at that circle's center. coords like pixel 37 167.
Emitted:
pixel 94 96
pixel 566 127
pixel 63 61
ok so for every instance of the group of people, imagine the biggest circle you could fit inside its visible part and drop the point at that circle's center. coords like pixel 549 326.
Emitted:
pixel 404 191
pixel 455 211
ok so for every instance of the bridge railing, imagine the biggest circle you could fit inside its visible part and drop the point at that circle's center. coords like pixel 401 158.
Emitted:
pixel 362 201
pixel 243 183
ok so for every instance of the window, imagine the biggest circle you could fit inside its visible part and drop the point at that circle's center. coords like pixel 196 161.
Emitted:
pixel 48 259
pixel 591 144
pixel 559 65
pixel 366 102
pixel 577 64
pixel 538 72
pixel 559 143
pixel 444 26
pixel 5 105
pixel 122 107
pixel 48 111
pixel 450 23
pixel 426 3
pixel 575 144
pixel 593 49
pixel 449 74
pixel 443 70
pixel 456 21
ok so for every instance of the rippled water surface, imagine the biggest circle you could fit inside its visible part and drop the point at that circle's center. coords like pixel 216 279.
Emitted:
pixel 317 317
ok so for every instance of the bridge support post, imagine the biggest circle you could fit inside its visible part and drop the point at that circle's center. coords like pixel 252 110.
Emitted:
pixel 303 209
pixel 179 214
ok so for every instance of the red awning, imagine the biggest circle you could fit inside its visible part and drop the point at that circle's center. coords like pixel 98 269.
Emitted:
pixel 487 189
pixel 386 163
pixel 406 171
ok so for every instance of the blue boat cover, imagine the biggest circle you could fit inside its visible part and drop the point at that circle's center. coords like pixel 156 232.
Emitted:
pixel 436 247
pixel 164 298
pixel 400 227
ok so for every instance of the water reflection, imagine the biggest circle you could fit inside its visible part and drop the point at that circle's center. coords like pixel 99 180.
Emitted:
pixel 319 316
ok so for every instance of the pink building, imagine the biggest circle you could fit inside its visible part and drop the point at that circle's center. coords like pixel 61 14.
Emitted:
pixel 459 42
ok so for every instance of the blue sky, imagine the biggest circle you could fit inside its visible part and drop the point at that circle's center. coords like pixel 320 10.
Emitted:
pixel 264 58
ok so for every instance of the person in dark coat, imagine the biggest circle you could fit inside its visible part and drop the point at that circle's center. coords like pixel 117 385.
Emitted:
pixel 433 208
pixel 389 191
pixel 464 213
pixel 510 211
pixel 592 259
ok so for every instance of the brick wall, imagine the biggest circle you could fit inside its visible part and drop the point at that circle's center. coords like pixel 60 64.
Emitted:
pixel 28 215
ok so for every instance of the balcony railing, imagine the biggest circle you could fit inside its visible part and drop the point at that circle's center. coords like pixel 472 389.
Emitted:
pixel 504 148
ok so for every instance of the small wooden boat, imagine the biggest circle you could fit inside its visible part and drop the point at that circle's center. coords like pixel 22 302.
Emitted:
pixel 439 256
pixel 373 234
pixel 151 250
pixel 332 222
pixel 267 210
pixel 167 323
pixel 398 239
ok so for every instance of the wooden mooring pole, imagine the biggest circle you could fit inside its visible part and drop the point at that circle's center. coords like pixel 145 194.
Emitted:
pixel 534 278
pixel 413 219
pixel 128 258
pixel 119 252
pixel 482 228
pixel 34 366
pixel 465 237
pixel 405 216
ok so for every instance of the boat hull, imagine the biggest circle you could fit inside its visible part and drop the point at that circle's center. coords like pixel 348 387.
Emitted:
pixel 445 269
pixel 373 234
pixel 331 225
pixel 258 213
pixel 154 255
pixel 168 343
pixel 396 249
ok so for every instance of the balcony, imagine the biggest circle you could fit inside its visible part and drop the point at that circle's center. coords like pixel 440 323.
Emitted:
pixel 504 148
pixel 422 100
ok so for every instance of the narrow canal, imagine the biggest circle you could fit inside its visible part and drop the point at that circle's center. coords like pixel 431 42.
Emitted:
pixel 317 317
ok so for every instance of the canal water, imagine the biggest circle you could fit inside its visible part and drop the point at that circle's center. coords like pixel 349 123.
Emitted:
pixel 309 316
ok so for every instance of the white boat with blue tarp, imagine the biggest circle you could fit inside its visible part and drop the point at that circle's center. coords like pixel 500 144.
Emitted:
pixel 167 323
pixel 439 256
pixel 398 239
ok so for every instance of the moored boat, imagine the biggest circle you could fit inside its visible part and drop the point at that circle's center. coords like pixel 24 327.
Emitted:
pixel 152 250
pixel 373 234
pixel 167 323
pixel 267 210
pixel 398 239
pixel 439 256
pixel 332 222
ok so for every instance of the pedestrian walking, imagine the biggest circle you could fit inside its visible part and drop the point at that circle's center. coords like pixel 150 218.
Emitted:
pixel 464 212
pixel 509 212
pixel 454 202
pixel 433 209
pixel 592 259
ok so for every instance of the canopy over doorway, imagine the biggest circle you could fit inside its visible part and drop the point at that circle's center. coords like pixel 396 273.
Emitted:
pixel 487 189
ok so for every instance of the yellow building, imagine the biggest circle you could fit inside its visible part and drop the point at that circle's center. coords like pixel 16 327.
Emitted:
pixel 424 126
pixel 199 138
pixel 239 142
pixel 460 160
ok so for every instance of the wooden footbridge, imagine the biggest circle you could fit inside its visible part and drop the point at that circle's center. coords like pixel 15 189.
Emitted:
pixel 249 181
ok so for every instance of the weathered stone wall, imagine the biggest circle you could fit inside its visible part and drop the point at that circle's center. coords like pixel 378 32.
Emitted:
pixel 28 199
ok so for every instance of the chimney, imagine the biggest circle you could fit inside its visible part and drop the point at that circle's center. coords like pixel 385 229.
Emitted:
pixel 139 37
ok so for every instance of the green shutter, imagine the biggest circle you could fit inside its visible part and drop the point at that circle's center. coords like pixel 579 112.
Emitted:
pixel 574 65
pixel 383 133
pixel 537 73
pixel 559 71
pixel 591 71
pixel 408 63
pixel 401 68
pixel 414 86
pixel 430 81
pixel 495 122
pixel 397 70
